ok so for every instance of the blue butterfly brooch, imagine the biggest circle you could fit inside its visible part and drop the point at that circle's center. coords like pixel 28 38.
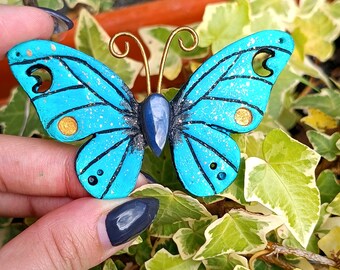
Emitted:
pixel 86 99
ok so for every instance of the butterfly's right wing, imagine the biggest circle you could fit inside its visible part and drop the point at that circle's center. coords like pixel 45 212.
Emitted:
pixel 85 99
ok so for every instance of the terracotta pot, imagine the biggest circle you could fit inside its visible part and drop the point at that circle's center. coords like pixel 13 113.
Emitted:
pixel 177 13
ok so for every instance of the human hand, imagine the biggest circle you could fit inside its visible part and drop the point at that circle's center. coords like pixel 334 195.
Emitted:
pixel 37 178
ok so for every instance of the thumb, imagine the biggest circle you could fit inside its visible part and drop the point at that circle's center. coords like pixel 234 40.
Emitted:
pixel 79 235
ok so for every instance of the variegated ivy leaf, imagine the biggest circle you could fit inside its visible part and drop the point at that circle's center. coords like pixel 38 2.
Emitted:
pixel 93 4
pixel 284 11
pixel 237 231
pixel 155 38
pixel 319 120
pixel 176 209
pixel 224 23
pixel 55 5
pixel 165 260
pixel 334 206
pixel 327 101
pixel 93 40
pixel 19 117
pixel 326 146
pixel 320 29
pixel 330 243
pixel 189 240
pixel 284 182
pixel 226 262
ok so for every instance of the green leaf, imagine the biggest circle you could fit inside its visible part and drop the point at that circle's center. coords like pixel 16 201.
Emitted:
pixel 226 262
pixel 164 260
pixel 175 209
pixel 9 232
pixel 4 221
pixel 325 145
pixel 161 168
pixel 55 5
pixel 334 206
pixel 327 101
pixel 235 191
pixel 142 251
pixel 330 243
pixel 284 182
pixel 109 265
pixel 250 144
pixel 223 24
pixel 321 31
pixel 19 116
pixel 155 39
pixel 237 231
pixel 328 186
pixel 93 40
pixel 94 4
pixel 189 240
pixel 283 10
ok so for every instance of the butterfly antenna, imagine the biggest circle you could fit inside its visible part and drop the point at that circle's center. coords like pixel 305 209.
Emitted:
pixel 113 51
pixel 181 45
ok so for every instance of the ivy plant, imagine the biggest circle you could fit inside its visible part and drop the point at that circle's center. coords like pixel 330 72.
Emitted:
pixel 283 209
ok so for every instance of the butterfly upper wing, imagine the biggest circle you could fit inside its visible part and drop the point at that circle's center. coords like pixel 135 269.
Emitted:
pixel 224 95
pixel 85 98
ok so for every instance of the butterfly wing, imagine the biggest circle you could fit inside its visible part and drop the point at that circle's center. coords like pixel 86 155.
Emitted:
pixel 224 95
pixel 85 98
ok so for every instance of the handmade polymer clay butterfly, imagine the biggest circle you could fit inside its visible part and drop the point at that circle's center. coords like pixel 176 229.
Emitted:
pixel 225 95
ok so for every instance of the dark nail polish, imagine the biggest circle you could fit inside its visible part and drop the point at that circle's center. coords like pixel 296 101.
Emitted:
pixel 61 22
pixel 128 220
pixel 149 178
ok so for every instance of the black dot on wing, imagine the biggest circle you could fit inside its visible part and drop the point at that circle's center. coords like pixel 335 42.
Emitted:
pixel 281 40
pixel 100 172
pixel 93 180
pixel 213 165
pixel 17 54
pixel 221 175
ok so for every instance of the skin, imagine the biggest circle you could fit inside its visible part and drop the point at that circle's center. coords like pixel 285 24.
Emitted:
pixel 37 178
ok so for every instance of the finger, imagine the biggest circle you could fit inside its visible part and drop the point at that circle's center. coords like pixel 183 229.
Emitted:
pixel 38 167
pixel 79 235
pixel 17 205
pixel 18 24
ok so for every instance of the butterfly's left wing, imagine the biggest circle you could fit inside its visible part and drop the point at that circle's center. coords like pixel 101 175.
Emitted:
pixel 225 95
pixel 84 99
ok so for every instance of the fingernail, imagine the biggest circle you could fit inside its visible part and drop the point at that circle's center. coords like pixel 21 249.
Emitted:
pixel 61 22
pixel 149 178
pixel 130 219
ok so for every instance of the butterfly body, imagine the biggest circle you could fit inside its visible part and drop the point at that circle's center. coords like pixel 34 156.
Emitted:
pixel 225 95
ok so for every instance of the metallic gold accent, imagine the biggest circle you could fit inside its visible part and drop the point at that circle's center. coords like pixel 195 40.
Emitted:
pixel 125 53
pixel 68 126
pixel 181 45
pixel 243 117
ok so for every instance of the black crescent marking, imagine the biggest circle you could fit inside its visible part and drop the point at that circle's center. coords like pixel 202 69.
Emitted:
pixel 113 178
pixel 211 149
pixel 97 158
pixel 235 101
pixel 199 165
pixel 50 93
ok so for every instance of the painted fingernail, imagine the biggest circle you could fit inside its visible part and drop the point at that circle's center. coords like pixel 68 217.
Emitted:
pixel 61 22
pixel 149 178
pixel 128 220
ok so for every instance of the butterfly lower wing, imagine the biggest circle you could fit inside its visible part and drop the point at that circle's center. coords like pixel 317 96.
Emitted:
pixel 224 95
pixel 85 99
pixel 206 159
pixel 107 164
